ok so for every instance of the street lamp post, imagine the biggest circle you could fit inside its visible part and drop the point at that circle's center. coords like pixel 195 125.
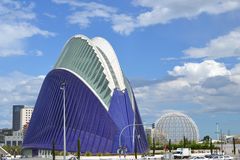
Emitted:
pixel 120 135
pixel 124 128
pixel 153 127
pixel 63 85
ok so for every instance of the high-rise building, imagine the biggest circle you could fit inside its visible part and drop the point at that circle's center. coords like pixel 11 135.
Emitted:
pixel 101 108
pixel 16 117
pixel 21 116
pixel 25 116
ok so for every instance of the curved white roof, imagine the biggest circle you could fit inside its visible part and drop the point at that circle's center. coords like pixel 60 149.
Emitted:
pixel 104 50
pixel 107 49
pixel 95 61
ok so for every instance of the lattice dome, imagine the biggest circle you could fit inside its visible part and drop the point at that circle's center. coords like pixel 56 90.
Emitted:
pixel 174 126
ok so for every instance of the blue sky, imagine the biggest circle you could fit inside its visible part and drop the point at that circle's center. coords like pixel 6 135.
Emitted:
pixel 178 54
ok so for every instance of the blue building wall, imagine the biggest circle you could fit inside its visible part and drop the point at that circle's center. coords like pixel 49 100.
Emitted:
pixel 86 118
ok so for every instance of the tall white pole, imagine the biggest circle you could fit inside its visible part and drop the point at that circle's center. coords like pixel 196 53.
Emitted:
pixel 64 121
pixel 217 131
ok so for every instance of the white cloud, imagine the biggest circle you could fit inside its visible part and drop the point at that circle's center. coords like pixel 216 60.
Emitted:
pixel 49 15
pixel 85 11
pixel 198 72
pixel 17 88
pixel 123 24
pixel 155 12
pixel 207 86
pixel 5 123
pixel 15 27
pixel 223 46
pixel 236 74
pixel 163 11
pixel 38 53
pixel 83 18
pixel 169 59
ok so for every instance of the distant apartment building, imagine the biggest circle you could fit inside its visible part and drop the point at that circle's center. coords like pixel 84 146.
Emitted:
pixel 25 116
pixel 4 132
pixel 15 140
pixel 21 116
pixel 16 117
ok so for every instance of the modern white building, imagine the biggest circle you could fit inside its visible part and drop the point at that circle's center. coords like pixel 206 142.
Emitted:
pixel 15 140
pixel 99 103
pixel 25 116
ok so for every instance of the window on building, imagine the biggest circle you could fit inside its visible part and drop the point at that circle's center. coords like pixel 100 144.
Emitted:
pixel 8 143
pixel 19 143
pixel 14 143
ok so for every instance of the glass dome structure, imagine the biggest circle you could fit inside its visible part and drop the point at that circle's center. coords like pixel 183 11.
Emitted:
pixel 174 126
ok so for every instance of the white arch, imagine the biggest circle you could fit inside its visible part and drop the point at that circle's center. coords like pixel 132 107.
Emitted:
pixel 107 49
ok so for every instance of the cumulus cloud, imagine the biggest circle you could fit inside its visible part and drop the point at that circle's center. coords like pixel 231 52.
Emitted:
pixel 163 11
pixel 155 12
pixel 223 46
pixel 83 13
pixel 197 72
pixel 15 27
pixel 17 88
pixel 208 86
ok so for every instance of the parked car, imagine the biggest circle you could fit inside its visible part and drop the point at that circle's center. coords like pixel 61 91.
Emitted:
pixel 7 157
pixel 198 158
pixel 216 157
pixel 167 156
pixel 227 157
pixel 149 157
pixel 182 153
pixel 72 158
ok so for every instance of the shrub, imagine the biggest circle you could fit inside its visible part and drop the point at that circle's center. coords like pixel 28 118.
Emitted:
pixel 88 154
pixel 107 154
pixel 99 154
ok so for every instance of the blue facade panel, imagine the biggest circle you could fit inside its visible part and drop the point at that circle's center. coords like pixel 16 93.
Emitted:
pixel 125 116
pixel 86 118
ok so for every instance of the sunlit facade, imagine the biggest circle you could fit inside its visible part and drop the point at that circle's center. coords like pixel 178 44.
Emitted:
pixel 99 102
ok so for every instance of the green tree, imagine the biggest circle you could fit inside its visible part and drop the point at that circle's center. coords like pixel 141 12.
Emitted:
pixel 154 147
pixel 79 149
pixel 234 146
pixel 206 139
pixel 149 139
pixel 53 150
pixel 169 145
pixel 211 146
pixel 184 142
pixel 13 150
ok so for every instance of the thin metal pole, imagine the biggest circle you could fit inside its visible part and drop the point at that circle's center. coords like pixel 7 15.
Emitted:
pixel 120 135
pixel 64 121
